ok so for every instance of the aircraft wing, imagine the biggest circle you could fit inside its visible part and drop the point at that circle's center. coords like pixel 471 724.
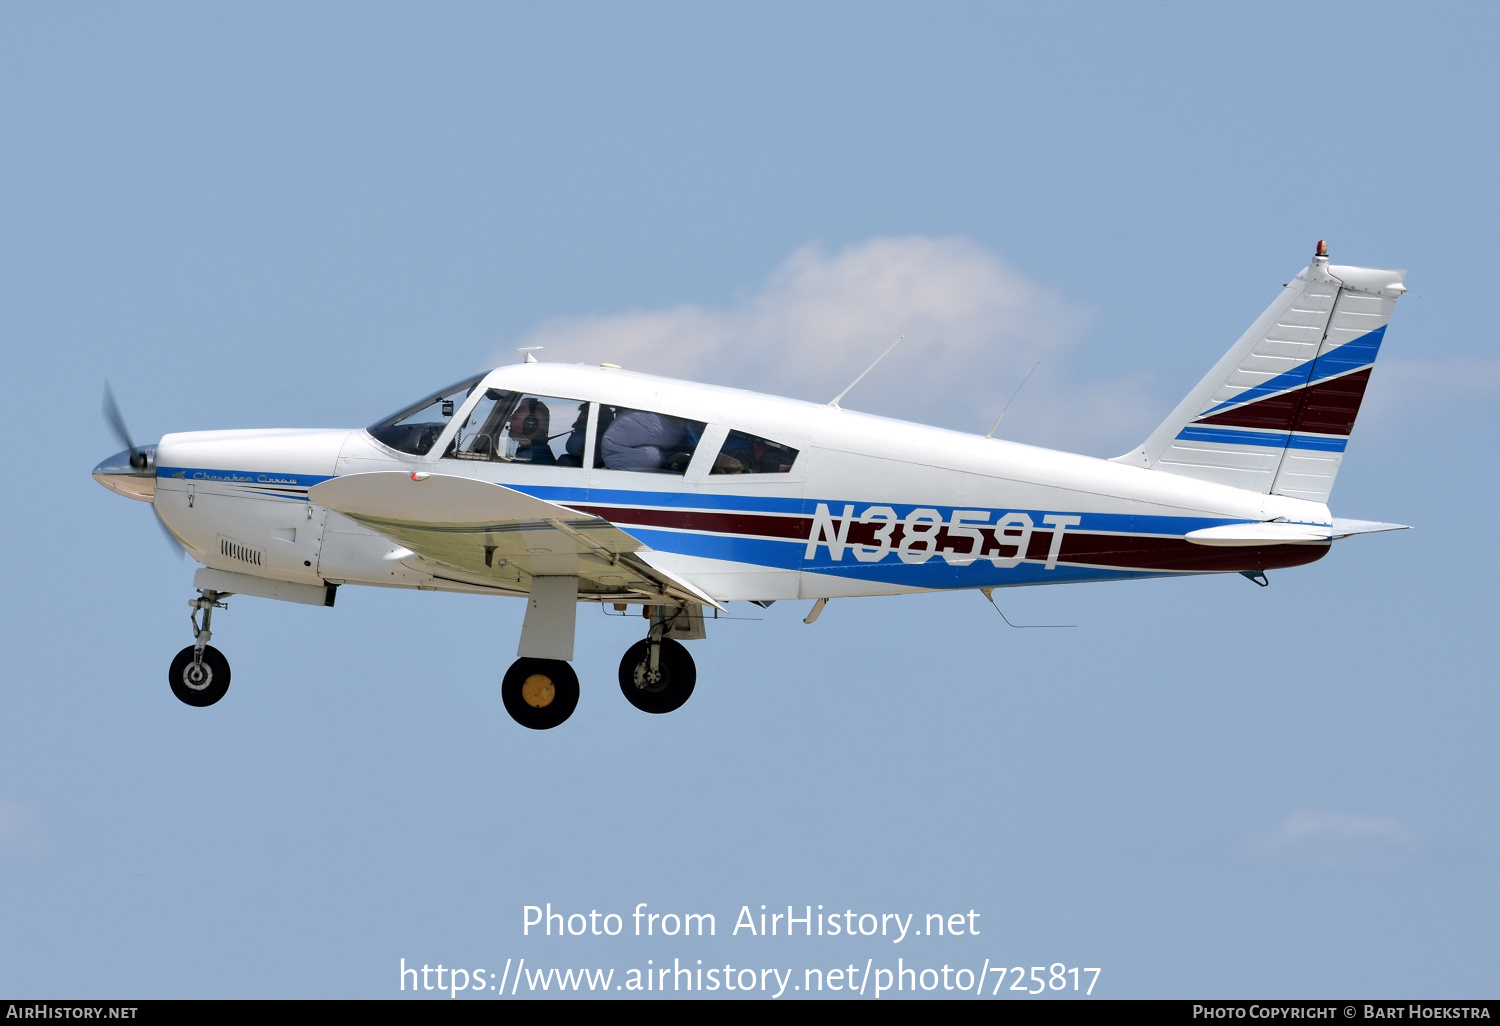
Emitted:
pixel 490 535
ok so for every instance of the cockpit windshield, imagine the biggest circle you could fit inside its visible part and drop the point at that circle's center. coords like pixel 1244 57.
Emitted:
pixel 416 428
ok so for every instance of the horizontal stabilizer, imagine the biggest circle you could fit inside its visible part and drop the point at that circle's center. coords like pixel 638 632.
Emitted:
pixel 1279 532
pixel 1274 533
pixel 1348 528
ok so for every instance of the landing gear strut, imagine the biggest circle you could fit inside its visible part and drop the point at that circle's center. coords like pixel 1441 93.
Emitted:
pixel 199 675
pixel 539 693
pixel 657 674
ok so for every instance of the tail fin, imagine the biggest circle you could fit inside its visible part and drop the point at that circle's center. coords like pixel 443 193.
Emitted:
pixel 1275 413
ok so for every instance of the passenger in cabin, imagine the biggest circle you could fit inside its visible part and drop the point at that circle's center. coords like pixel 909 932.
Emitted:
pixel 639 440
pixel 528 431
pixel 573 448
pixel 750 454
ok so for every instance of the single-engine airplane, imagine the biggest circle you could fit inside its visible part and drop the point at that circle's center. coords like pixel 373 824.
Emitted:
pixel 567 484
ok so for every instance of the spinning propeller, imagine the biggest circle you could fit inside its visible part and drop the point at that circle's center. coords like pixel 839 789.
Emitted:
pixel 140 458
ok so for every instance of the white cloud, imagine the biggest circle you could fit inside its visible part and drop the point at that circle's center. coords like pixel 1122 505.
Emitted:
pixel 974 327
pixel 1336 840
pixel 21 832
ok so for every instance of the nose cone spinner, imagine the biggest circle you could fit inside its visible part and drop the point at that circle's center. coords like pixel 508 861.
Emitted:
pixel 134 479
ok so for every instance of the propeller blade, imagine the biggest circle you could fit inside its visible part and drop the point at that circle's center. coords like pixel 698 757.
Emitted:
pixel 138 460
pixel 117 423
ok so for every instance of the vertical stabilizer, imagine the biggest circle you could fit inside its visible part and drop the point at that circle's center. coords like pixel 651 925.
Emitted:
pixel 1274 415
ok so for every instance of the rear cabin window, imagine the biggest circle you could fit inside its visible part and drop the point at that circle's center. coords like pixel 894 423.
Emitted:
pixel 744 453
pixel 416 428
pixel 512 427
pixel 646 442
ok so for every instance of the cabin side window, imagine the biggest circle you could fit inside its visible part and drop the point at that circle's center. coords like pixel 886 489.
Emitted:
pixel 744 453
pixel 415 429
pixel 646 442
pixel 514 427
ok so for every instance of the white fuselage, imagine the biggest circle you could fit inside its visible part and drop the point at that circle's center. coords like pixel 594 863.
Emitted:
pixel 870 506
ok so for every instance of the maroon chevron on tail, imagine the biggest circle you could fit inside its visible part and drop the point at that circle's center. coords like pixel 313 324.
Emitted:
pixel 1326 408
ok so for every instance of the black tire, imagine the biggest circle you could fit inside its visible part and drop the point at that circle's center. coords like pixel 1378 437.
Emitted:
pixel 204 684
pixel 670 690
pixel 539 693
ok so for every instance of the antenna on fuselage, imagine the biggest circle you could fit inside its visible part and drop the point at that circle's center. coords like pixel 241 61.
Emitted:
pixel 989 593
pixel 1013 399
pixel 834 402
pixel 527 351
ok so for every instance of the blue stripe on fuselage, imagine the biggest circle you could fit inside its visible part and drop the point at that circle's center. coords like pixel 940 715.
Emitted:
pixel 256 479
pixel 1114 523
pixel 935 572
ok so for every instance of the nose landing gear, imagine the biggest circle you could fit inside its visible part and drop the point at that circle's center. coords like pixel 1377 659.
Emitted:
pixel 199 675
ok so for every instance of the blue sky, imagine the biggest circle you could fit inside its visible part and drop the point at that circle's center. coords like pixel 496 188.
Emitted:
pixel 262 215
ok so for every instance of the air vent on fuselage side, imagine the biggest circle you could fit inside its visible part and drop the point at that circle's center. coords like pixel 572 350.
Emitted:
pixel 241 552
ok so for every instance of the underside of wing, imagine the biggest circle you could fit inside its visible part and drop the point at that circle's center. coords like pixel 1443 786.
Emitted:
pixel 478 533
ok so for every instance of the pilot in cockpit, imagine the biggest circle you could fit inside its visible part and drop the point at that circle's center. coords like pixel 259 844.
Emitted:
pixel 573 448
pixel 528 426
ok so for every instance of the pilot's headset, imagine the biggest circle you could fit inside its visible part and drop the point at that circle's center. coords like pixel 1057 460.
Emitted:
pixel 530 425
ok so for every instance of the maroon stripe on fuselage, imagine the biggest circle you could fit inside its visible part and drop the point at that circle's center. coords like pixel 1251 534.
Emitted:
pixel 1134 553
pixel 1130 552
pixel 760 525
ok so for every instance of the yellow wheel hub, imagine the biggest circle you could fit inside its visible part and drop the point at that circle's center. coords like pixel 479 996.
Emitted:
pixel 538 691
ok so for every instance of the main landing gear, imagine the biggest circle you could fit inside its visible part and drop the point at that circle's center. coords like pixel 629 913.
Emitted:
pixel 539 693
pixel 656 675
pixel 199 675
